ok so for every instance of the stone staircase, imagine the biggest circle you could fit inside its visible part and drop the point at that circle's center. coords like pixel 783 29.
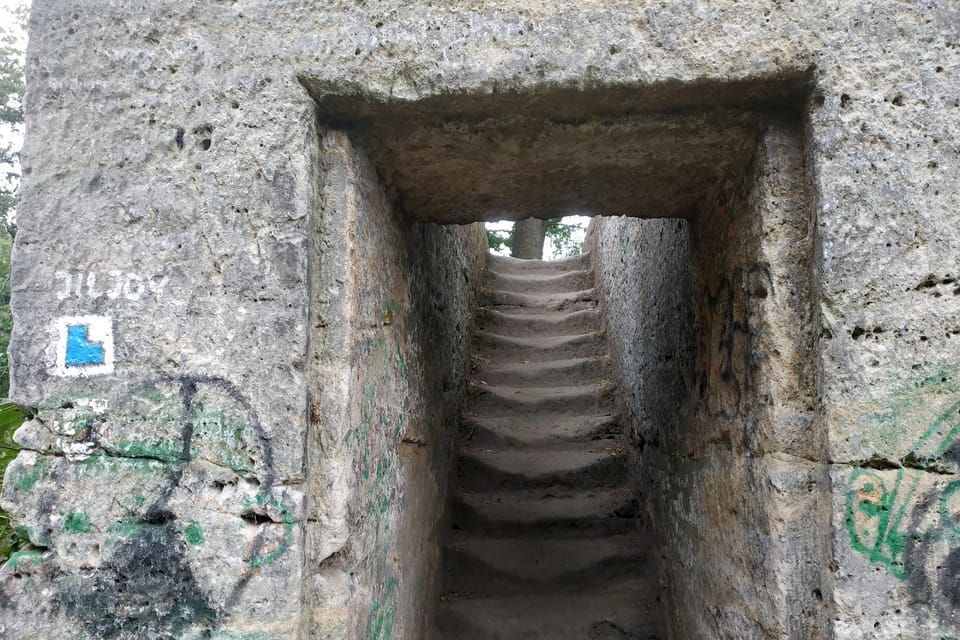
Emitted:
pixel 546 541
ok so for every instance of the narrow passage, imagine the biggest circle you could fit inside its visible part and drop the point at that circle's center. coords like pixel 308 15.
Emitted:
pixel 546 539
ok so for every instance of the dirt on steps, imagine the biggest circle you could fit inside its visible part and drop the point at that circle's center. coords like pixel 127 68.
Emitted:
pixel 547 540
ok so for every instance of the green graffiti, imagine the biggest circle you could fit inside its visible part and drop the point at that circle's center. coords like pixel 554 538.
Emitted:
pixel 382 613
pixel 154 394
pixel 27 480
pixel 217 436
pixel 404 370
pixel 874 517
pixel 232 635
pixel 18 557
pixel 885 427
pixel 193 534
pixel 220 437
pixel 391 309
pixel 875 512
pixel 77 522
pixel 382 423
pixel 286 518
pixel 947 514
pixel 169 438
pixel 82 422
pixel 163 449
pixel 125 528
pixel 947 422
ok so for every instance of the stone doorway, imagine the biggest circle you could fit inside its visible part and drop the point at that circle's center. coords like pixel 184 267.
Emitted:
pixel 704 271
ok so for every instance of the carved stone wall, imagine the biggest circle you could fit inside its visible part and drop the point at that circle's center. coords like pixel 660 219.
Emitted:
pixel 202 350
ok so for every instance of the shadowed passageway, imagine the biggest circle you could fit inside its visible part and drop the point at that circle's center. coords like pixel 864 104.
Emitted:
pixel 547 541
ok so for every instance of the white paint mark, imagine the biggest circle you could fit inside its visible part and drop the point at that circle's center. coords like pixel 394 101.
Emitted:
pixel 157 285
pixel 65 292
pixel 117 288
pixel 113 285
pixel 133 287
pixel 77 451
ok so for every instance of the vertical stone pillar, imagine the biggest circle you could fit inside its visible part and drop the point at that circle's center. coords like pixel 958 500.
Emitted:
pixel 160 295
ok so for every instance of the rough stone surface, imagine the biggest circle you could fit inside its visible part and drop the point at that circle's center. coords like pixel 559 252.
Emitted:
pixel 173 205
pixel 391 324
pixel 710 326
pixel 493 165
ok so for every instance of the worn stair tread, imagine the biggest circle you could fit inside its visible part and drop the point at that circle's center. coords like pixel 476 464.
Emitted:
pixel 539 430
pixel 553 372
pixel 546 537
pixel 495 400
pixel 576 465
pixel 506 349
pixel 571 512
pixel 512 564
pixel 625 610
pixel 534 282
pixel 567 301
pixel 509 265
pixel 523 322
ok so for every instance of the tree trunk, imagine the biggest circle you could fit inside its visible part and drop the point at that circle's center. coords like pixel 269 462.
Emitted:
pixel 528 237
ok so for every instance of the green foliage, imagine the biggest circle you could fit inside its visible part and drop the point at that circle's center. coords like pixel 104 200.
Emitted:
pixel 561 235
pixel 499 239
pixel 11 109
pixel 11 120
pixel 11 78
pixel 11 539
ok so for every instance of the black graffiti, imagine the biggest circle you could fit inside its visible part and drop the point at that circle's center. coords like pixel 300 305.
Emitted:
pixel 935 567
pixel 146 589
pixel 726 373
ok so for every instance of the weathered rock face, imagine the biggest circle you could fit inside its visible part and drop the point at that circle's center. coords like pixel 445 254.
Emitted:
pixel 710 321
pixel 236 340
pixel 253 442
pixel 391 327
pixel 176 506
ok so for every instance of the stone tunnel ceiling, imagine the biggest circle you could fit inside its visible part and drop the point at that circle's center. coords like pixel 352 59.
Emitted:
pixel 657 153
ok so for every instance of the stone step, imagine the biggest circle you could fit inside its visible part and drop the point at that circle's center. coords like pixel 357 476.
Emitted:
pixel 513 266
pixel 551 323
pixel 507 349
pixel 623 610
pixel 533 282
pixel 531 565
pixel 538 430
pixel 556 372
pixel 546 536
pixel 498 401
pixel 590 466
pixel 567 301
pixel 547 512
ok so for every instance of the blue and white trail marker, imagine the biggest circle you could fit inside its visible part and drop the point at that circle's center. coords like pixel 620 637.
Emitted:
pixel 84 346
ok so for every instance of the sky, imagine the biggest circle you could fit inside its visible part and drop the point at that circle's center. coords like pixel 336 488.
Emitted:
pixel 7 20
